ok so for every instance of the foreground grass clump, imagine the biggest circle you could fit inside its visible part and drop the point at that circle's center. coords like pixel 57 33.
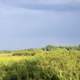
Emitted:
pixel 27 70
pixel 50 63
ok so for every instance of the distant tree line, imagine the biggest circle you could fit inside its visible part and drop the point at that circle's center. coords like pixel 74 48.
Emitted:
pixel 52 47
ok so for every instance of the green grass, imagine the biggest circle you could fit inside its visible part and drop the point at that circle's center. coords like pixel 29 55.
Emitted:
pixel 38 64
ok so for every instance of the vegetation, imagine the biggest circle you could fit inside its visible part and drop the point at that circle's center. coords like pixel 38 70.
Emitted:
pixel 49 63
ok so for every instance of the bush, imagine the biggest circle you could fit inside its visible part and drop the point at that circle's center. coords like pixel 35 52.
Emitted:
pixel 28 70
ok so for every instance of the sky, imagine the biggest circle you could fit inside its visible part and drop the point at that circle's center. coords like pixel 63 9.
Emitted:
pixel 36 23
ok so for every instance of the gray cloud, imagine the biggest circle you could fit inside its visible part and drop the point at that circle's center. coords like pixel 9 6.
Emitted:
pixel 58 5
pixel 40 1
pixel 32 23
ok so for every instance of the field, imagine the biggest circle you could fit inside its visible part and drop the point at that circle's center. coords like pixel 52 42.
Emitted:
pixel 49 63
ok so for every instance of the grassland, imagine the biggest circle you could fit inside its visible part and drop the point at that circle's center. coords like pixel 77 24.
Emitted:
pixel 49 63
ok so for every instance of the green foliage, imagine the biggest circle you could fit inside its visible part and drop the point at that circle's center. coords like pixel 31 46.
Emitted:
pixel 50 63
pixel 27 70
pixel 23 53
pixel 49 47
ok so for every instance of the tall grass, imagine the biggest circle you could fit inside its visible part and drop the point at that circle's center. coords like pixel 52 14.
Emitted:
pixel 50 64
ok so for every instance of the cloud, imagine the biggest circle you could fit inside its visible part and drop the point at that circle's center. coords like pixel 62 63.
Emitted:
pixel 57 5
pixel 55 1
pixel 40 1
pixel 32 23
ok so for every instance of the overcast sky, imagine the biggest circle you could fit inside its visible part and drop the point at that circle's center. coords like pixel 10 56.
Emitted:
pixel 36 23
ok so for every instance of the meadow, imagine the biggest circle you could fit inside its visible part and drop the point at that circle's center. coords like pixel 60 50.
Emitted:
pixel 48 63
